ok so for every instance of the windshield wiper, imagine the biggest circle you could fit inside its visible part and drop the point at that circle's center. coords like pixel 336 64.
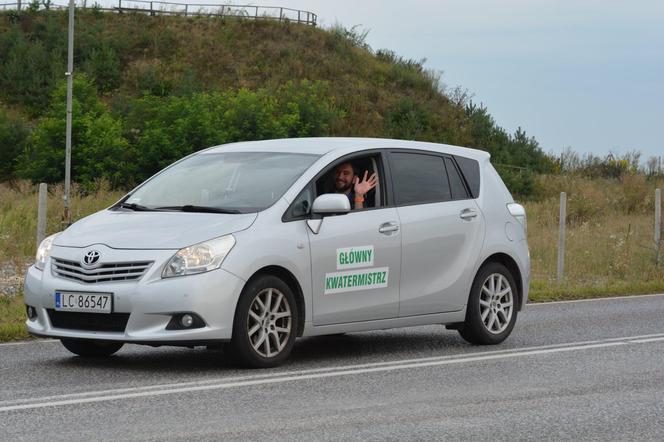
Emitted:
pixel 135 207
pixel 203 209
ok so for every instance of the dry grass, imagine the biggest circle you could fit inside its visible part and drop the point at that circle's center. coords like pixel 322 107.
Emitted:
pixel 18 225
pixel 18 215
pixel 609 241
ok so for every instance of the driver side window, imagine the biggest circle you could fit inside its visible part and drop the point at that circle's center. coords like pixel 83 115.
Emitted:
pixel 329 183
pixel 343 175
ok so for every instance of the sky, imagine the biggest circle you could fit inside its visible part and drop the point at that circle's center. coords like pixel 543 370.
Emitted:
pixel 585 74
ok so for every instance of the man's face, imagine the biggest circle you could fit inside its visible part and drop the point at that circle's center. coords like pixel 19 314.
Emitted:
pixel 343 177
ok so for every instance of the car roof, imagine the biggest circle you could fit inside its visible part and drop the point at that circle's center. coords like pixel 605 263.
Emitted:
pixel 325 145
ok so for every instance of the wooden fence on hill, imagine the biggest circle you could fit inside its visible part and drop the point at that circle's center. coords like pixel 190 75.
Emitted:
pixel 184 9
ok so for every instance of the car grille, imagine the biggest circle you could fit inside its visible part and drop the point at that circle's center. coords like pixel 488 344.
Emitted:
pixel 113 322
pixel 117 271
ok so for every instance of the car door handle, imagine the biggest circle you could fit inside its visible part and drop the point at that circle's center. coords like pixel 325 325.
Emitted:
pixel 468 214
pixel 387 228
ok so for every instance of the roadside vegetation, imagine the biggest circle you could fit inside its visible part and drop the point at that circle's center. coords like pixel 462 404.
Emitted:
pixel 152 89
pixel 610 247
pixel 149 90
pixel 12 319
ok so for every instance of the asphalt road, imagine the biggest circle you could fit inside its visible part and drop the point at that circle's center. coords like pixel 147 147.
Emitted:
pixel 570 371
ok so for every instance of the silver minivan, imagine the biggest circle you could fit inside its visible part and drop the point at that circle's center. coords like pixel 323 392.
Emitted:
pixel 250 245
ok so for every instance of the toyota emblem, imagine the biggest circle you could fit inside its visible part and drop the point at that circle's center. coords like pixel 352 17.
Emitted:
pixel 91 258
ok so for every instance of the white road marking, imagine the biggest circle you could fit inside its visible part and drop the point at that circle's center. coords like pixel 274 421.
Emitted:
pixel 646 341
pixel 39 341
pixel 348 370
pixel 605 298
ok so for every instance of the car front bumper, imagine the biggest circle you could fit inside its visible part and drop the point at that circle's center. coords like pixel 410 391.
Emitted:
pixel 150 302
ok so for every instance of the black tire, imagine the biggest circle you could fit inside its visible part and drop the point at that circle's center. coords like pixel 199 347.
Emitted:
pixel 242 345
pixel 91 348
pixel 474 329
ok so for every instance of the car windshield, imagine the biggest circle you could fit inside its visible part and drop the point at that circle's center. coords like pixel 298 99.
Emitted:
pixel 226 182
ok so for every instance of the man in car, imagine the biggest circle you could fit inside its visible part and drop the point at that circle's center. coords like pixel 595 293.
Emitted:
pixel 347 181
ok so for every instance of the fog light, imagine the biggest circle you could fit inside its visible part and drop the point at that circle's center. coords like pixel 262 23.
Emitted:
pixel 186 321
pixel 31 312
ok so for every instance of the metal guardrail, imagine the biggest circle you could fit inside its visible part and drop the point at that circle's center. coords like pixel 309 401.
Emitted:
pixel 187 9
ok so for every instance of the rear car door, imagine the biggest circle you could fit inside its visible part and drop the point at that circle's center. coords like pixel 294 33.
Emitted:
pixel 442 230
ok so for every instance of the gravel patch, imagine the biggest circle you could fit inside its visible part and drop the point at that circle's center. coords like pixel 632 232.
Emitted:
pixel 11 278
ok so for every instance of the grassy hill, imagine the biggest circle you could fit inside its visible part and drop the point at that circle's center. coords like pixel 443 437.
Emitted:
pixel 136 65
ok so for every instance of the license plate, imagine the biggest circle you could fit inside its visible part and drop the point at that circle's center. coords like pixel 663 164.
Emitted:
pixel 84 302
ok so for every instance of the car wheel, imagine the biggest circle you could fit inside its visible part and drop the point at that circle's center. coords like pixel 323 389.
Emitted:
pixel 91 348
pixel 265 324
pixel 491 311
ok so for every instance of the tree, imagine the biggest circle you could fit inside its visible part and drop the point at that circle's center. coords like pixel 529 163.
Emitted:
pixel 99 151
pixel 13 135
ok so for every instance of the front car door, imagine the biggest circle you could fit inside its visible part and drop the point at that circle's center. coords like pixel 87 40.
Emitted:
pixel 356 263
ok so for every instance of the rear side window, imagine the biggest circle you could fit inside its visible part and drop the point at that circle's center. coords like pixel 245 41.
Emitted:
pixel 419 178
pixel 471 171
pixel 456 182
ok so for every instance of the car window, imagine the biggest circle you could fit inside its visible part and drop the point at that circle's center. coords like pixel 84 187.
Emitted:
pixel 361 165
pixel 456 183
pixel 471 171
pixel 418 178
pixel 242 181
pixel 301 206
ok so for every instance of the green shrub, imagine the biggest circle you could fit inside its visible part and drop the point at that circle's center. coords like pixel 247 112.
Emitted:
pixel 32 58
pixel 98 147
pixel 103 65
pixel 408 120
pixel 306 109
pixel 164 129
pixel 13 135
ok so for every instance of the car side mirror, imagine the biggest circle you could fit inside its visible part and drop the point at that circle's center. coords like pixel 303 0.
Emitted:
pixel 331 204
pixel 327 204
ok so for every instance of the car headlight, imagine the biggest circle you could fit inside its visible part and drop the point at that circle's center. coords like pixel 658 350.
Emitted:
pixel 44 250
pixel 199 258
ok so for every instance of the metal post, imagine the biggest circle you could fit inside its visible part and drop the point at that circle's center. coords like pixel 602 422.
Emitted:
pixel 281 13
pixel 222 11
pixel 19 5
pixel 186 7
pixel 151 11
pixel 41 213
pixel 70 87
pixel 256 16
pixel 658 226
pixel 561 236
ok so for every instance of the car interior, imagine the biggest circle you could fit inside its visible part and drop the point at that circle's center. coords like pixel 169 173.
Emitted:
pixel 325 184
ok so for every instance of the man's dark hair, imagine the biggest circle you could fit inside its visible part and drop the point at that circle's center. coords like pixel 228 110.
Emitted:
pixel 355 172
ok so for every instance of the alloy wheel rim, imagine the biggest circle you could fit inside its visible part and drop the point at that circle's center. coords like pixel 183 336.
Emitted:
pixel 269 323
pixel 496 303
